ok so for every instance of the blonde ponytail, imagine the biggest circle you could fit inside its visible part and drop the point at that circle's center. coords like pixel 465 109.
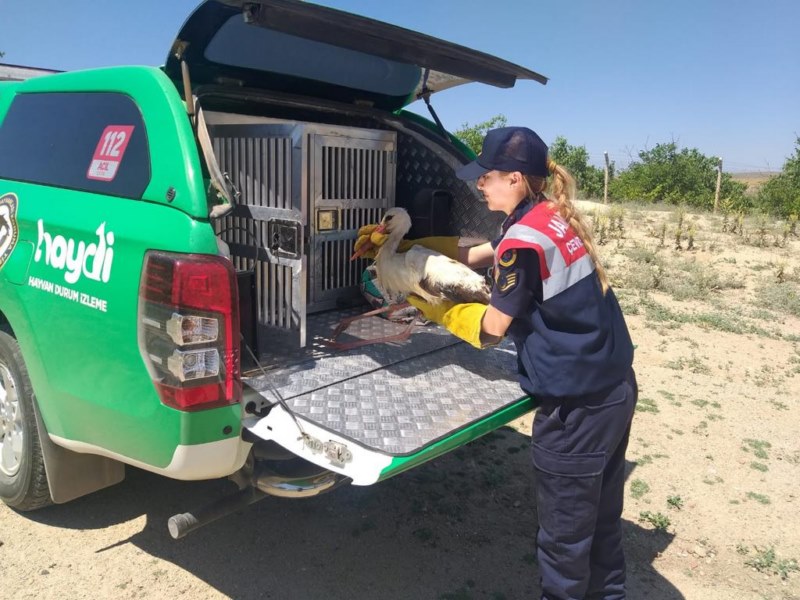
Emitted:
pixel 562 190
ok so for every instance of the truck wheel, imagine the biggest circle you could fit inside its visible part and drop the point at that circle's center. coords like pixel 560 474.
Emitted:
pixel 23 481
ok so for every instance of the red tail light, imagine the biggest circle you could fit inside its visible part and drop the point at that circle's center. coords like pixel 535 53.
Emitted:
pixel 189 329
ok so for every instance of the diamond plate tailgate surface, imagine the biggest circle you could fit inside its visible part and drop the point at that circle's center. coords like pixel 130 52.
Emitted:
pixel 395 398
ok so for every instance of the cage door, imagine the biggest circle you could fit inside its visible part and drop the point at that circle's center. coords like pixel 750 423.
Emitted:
pixel 265 231
pixel 352 184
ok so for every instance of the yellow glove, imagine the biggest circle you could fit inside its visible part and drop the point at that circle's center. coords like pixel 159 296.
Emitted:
pixel 462 320
pixel 447 245
pixel 432 312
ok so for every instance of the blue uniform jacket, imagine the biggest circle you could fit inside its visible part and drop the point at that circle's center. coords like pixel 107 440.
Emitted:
pixel 571 339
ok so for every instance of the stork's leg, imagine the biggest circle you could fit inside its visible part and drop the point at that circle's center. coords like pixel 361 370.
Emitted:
pixel 345 323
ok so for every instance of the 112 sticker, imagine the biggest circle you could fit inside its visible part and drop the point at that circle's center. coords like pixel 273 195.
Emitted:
pixel 109 152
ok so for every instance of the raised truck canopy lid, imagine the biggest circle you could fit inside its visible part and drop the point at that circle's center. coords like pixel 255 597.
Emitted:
pixel 306 49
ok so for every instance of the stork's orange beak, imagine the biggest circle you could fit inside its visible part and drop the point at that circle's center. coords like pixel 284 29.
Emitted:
pixel 368 245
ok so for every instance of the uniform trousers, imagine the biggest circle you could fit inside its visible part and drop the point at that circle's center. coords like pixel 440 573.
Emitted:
pixel 579 461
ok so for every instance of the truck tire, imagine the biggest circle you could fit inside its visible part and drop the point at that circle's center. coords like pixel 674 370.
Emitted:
pixel 23 480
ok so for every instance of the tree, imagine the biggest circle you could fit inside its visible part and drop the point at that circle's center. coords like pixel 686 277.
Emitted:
pixel 472 135
pixel 685 176
pixel 781 194
pixel 589 179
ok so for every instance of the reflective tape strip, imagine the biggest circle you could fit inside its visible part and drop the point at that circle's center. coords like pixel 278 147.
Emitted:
pixel 552 255
pixel 559 275
pixel 558 282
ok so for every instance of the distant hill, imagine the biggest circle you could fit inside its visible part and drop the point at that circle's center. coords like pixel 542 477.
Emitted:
pixel 753 179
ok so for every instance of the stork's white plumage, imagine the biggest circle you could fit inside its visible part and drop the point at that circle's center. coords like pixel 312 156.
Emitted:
pixel 426 273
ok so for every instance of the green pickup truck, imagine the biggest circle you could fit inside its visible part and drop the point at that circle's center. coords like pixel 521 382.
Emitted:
pixel 174 254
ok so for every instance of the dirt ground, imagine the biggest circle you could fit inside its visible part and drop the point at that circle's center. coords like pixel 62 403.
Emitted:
pixel 711 497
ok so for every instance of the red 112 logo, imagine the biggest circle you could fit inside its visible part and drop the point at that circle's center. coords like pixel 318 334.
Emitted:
pixel 109 152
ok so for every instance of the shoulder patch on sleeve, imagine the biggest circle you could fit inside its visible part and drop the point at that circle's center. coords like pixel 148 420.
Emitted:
pixel 506 281
pixel 508 258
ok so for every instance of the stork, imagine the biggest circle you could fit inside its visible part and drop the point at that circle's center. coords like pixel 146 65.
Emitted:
pixel 421 271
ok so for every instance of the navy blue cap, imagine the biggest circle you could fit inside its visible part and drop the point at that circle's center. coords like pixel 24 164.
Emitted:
pixel 508 149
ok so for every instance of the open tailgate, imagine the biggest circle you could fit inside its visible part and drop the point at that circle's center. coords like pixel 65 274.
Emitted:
pixel 375 411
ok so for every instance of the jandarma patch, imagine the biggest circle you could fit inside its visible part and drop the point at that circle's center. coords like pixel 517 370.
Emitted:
pixel 9 232
pixel 508 258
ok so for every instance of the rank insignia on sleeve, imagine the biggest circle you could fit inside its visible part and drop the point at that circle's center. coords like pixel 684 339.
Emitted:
pixel 508 258
pixel 507 282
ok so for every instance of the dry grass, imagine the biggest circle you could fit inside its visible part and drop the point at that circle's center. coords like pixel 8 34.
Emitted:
pixel 713 304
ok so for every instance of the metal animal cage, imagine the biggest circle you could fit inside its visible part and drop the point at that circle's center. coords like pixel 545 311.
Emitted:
pixel 306 189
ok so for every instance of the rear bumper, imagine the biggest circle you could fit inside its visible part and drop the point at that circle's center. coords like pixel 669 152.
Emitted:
pixel 189 462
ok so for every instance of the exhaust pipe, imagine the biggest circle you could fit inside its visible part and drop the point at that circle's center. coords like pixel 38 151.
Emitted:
pixel 182 524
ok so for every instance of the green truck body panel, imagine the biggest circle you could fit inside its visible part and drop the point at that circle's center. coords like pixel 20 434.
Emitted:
pixel 175 162
pixel 63 327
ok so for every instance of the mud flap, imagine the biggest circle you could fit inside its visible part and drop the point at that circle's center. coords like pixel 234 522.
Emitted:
pixel 70 474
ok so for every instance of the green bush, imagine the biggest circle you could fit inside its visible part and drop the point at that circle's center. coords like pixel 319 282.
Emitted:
pixel 781 194
pixel 472 135
pixel 666 174
pixel 685 176
pixel 590 180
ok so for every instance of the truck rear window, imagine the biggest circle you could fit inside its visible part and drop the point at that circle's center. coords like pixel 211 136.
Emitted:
pixel 95 142
pixel 238 44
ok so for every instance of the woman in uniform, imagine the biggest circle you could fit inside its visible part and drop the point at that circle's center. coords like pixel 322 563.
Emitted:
pixel 551 296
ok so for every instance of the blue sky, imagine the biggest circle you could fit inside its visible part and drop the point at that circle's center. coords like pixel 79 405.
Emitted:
pixel 722 76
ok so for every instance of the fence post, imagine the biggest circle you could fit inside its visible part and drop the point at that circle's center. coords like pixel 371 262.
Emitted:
pixel 719 184
pixel 605 185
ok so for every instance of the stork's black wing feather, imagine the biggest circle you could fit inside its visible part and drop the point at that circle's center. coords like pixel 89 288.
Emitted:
pixel 459 294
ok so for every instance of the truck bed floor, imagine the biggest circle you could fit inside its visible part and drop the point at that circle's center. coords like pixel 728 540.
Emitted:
pixel 395 398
